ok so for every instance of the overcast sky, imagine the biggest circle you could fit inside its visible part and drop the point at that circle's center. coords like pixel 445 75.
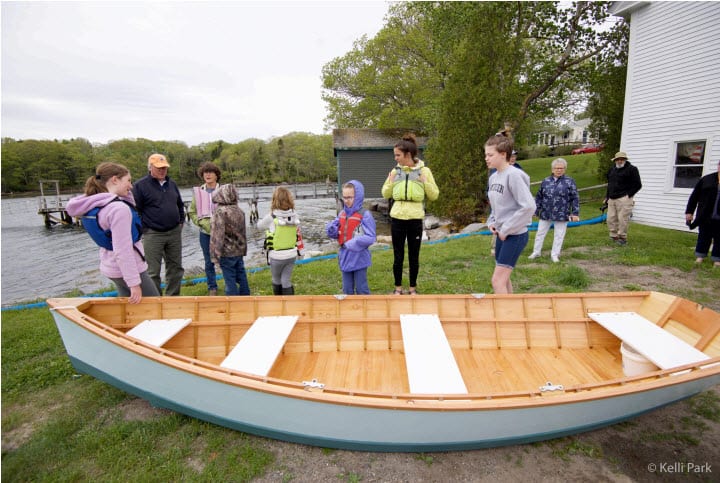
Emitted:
pixel 189 71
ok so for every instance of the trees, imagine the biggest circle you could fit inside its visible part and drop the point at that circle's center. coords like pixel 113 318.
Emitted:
pixel 391 81
pixel 478 66
pixel 306 157
pixel 605 80
pixel 26 162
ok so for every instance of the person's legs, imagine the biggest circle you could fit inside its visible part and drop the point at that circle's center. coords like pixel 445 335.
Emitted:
pixel 507 253
pixel 276 268
pixel 626 205
pixel 153 243
pixel 348 283
pixel 286 272
pixel 241 277
pixel 704 239
pixel 415 231
pixel 209 265
pixel 361 282
pixel 122 288
pixel 501 279
pixel 228 267
pixel 543 227
pixel 715 234
pixel 147 286
pixel 612 218
pixel 398 233
pixel 173 261
pixel 560 228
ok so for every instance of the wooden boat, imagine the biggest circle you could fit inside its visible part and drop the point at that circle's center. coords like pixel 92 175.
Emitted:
pixel 400 373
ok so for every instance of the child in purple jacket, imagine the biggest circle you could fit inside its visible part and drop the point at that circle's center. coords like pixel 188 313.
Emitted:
pixel 354 229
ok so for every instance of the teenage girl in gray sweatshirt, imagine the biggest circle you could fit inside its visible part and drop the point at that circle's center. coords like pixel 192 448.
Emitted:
pixel 512 207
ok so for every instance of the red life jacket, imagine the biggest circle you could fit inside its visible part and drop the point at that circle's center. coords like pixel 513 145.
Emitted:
pixel 349 226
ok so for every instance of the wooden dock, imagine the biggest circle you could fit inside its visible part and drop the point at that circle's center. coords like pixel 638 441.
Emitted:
pixel 52 207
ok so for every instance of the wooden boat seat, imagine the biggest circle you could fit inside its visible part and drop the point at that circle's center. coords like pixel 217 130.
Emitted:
pixel 157 332
pixel 659 346
pixel 431 365
pixel 257 350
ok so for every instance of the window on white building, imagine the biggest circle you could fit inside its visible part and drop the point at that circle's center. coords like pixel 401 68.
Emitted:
pixel 689 157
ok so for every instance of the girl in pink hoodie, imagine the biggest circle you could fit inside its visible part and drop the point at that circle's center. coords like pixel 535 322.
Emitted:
pixel 124 264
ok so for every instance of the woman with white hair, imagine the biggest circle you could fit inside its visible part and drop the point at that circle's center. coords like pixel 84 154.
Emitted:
pixel 557 202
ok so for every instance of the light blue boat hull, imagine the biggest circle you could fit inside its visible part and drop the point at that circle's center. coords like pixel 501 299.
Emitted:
pixel 347 426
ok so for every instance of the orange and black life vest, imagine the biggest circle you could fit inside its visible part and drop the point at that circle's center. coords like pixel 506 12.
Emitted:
pixel 349 226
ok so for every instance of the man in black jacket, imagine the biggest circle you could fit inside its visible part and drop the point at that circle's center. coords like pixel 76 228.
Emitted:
pixel 706 198
pixel 158 200
pixel 623 182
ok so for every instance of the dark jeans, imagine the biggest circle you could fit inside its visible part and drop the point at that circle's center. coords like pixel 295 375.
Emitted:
pixel 708 234
pixel 209 265
pixel 233 269
pixel 355 282
pixel 400 231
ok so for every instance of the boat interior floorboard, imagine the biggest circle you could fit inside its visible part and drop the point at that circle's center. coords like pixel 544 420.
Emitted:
pixel 484 370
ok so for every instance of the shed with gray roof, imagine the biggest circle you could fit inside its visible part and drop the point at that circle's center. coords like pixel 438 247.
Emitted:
pixel 367 156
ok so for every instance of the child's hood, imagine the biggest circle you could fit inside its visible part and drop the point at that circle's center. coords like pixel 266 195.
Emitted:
pixel 225 195
pixel 359 197
pixel 80 205
pixel 286 217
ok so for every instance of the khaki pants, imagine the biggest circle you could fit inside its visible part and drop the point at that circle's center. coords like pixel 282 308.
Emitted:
pixel 618 216
pixel 165 245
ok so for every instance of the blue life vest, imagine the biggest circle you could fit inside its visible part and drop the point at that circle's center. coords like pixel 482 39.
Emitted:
pixel 103 238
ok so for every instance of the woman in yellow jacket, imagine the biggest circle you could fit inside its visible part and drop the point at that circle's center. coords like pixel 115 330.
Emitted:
pixel 409 184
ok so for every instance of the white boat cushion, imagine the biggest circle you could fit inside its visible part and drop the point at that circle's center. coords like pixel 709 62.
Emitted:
pixel 157 332
pixel 659 346
pixel 256 352
pixel 431 365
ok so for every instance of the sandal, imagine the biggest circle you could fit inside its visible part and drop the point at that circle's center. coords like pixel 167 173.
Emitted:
pixel 412 291
pixel 397 292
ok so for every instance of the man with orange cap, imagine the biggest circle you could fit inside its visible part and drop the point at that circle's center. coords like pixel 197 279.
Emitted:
pixel 161 208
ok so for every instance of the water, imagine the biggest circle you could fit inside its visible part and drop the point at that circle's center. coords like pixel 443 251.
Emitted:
pixel 38 262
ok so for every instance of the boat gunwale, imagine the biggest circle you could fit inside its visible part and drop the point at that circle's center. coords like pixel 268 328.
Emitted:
pixel 470 401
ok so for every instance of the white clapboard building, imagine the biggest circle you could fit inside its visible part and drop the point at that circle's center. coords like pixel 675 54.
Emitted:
pixel 671 125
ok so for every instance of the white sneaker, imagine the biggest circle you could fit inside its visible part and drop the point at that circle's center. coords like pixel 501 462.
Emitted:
pixel 555 259
pixel 533 256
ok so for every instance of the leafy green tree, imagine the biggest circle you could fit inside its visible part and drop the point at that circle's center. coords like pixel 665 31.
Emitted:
pixel 390 81
pixel 605 81
pixel 15 173
pixel 481 65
